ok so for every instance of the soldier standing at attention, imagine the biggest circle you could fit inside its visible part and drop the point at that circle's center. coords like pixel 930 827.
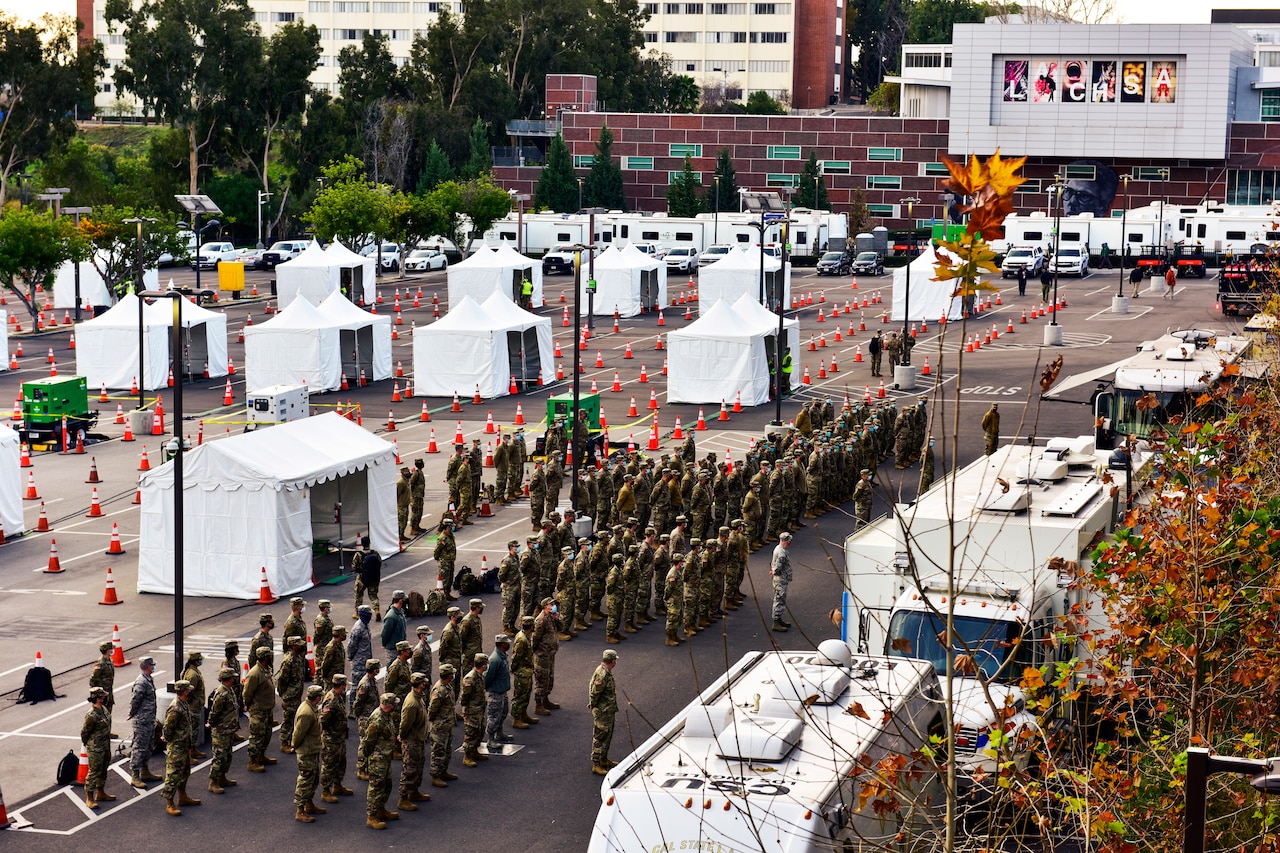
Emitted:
pixel 192 673
pixel 365 703
pixel 751 512
pixel 537 494
pixel 472 699
pixel 104 674
pixel 737 560
pixel 614 590
pixel 522 675
pixel 441 711
pixel 413 743
pixel 402 503
pixel 333 741
pixel 334 659
pixel 546 643
pixel 306 741
pixel 862 498
pixel 360 649
pixel 378 742
pixel 554 480
pixel 259 693
pixel 399 681
pixel 926 469
pixel 231 661
pixel 366 565
pixel 451 645
pixel 780 572
pixel 262 640
pixel 529 573
pixel 451 473
pixel 224 719
pixel 471 630
pixel 417 493
pixel 322 628
pixel 501 460
pixel 420 661
pixel 294 626
pixel 446 554
pixel 475 463
pixel 95 734
pixel 497 687
pixel 177 761
pixel 602 700
pixel 991 429
pixel 625 502
pixel 515 465
pixel 582 585
pixel 674 590
pixel 289 684
pixel 565 594
pixel 466 494
pixel 509 578
pixel 142 711
pixel 692 584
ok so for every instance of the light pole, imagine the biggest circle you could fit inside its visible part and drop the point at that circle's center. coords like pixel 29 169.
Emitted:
pixel 715 238
pixel 1053 331
pixel 77 211
pixel 138 288
pixel 54 195
pixel 580 181
pixel 262 196
pixel 904 375
pixel 197 205
pixel 1120 305
pixel 780 346
pixel 519 199
pixel 1164 191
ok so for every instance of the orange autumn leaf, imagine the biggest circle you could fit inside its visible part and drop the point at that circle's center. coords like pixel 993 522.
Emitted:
pixel 1002 175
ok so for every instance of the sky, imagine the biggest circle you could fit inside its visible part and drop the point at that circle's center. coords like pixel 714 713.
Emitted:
pixel 1128 11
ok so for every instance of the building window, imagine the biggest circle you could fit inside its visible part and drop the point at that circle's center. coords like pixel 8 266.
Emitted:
pixel 260 17
pixel 1270 105
pixel 764 8
pixel 684 149
pixel 350 35
pixel 583 161
pixel 651 8
pixel 634 164
pixel 884 182
pixel 1149 173
pixel 836 167
pixel 1081 173
pixel 886 154
pixel 923 60
pixel 769 66
pixel 682 38
pixel 650 38
pixel 391 8
pixel 883 210
pixel 355 6
pixel 671 176
pixel 693 8
pixel 768 38
pixel 1252 186
pixel 318 6
pixel 324 35
pixel 284 17
pixel 782 180
pixel 784 152
pixel 726 38
pixel 934 170
pixel 1030 185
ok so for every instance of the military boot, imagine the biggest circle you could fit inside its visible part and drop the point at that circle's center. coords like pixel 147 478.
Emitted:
pixel 137 783
pixel 540 709
pixel 580 625
pixel 170 809
pixel 530 720
pixel 613 638
pixel 671 640
pixel 519 724
pixel 598 770
pixel 196 754
pixel 597 616
pixel 342 792
pixel 554 706
pixel 267 761
pixel 362 775
pixel 89 800
pixel 311 808
pixel 303 817
pixel 225 782
pixel 373 823
pixel 104 797
pixel 452 777
pixel 148 776
pixel 257 767
pixel 405 804
pixel 778 626
pixel 629 628
pixel 214 787
pixel 328 796
pixel 438 782
pixel 468 759
pixel 383 814
pixel 565 636
pixel 184 800
pixel 419 797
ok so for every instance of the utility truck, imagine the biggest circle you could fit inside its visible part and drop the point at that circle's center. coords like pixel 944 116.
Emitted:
pixel 1001 545
pixel 775 756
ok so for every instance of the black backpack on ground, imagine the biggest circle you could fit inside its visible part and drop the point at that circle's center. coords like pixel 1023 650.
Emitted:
pixel 437 603
pixel 68 767
pixel 38 687
pixel 417 605
pixel 467 583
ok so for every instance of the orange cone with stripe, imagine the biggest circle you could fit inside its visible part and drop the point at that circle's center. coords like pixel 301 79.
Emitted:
pixel 117 647
pixel 425 417
pixel 25 460
pixel 82 772
pixel 144 464
pixel 432 447
pixel 264 592
pixel 519 421
pixel 724 411
pixel 54 567
pixel 42 524
pixel 31 495
pixel 702 421
pixel 109 594
pixel 93 470
pixel 114 547
pixel 95 508
pixel 678 433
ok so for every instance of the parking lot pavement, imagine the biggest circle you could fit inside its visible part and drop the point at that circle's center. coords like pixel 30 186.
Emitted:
pixel 59 615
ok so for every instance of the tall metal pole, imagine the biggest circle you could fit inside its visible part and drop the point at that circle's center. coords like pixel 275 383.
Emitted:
pixel 77 211
pixel 579 193
pixel 1124 237
pixel 1057 240
pixel 910 202
pixel 577 358
pixel 780 346
pixel 591 273
pixel 1164 190
pixel 715 238
pixel 138 288
pixel 762 295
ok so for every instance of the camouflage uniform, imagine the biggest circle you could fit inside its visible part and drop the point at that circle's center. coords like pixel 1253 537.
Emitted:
pixel 377 743
pixel 603 700
pixel 224 721
pixel 260 701
pixel 261 640
pixel 537 495
pixel 522 674
pixel 644 566
pixel 692 584
pixel 104 674
pixel 363 707
pixel 322 631
pixel 737 563
pixel 501 459
pixel 334 659
pixel 472 699
pixel 466 493
pixel 529 574
pixel 413 741
pixel 566 592
pixel 420 660
pixel 471 632
pixel 582 585
pixel 515 466
pixel 178 736
pixel 95 734
pixel 450 651
pixel 614 590
pixel 674 601
pixel 440 715
pixel 660 504
pixel 334 728
pixel 598 566
pixel 289 684
pixel 306 740
pixel 446 555
pixel 509 578
pixel 545 642
pixel 555 481
pixel 417 494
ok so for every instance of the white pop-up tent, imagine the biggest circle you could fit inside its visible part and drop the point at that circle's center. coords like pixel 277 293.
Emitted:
pixel 728 351
pixel 365 338
pixel 93 289
pixel 481 346
pixel 629 281
pixel 261 499
pixel 930 298
pixel 10 481
pixel 501 270
pixel 107 348
pixel 298 346
pixel 204 335
pixel 737 274
pixel 355 273
pixel 317 272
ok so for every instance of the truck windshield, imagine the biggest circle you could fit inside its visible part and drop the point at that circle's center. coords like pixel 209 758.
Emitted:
pixel 918 634
pixel 1127 418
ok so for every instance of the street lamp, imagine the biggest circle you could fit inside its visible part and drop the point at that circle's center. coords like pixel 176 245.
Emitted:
pixel 1120 305
pixel 1164 191
pixel 202 205
pixel 519 198
pixel 262 196
pixel 138 288
pixel 780 346
pixel 715 238
pixel 580 181
pixel 54 196
pixel 1053 332
pixel 904 375
pixel 77 211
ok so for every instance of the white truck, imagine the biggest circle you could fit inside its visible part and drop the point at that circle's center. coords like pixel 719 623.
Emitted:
pixel 773 756
pixel 1001 544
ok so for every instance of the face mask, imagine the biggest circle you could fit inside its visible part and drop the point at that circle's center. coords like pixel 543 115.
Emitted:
pixel 555 608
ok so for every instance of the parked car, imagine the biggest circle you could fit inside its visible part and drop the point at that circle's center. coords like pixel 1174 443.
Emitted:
pixel 653 250
pixel 1030 258
pixel 833 263
pixel 251 258
pixel 281 251
pixel 182 257
pixel 714 253
pixel 868 263
pixel 559 259
pixel 1070 260
pixel 211 254
pixel 682 259
pixel 424 260
pixel 390 254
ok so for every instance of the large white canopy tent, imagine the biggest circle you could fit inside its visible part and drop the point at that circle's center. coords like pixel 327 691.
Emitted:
pixel 298 346
pixel 481 346
pixel 356 273
pixel 107 348
pixel 501 270
pixel 628 281
pixel 262 499
pixel 737 274
pixel 204 336
pixel 726 351
pixel 10 481
pixel 365 338
pixel 930 298
pixel 318 272
pixel 93 288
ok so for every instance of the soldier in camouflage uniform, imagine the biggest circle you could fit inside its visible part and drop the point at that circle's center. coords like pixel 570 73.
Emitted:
pixel 231 661
pixel 643 491
pixel 333 661
pixel 306 739
pixel 644 565
pixel 104 674
pixel 262 640
pixel 471 630
pixel 451 645
pixel 614 590
pixel 191 672
pixel 334 728
pixel 659 567
pixel 421 661
pixel 700 504
pixel 509 578
pixel 706 583
pixel 466 494
pixel 692 583
pixel 515 465
pixel 554 481
pixel 530 572
pixel 398 681
pixel 417 494
pixel 294 626
pixel 566 593
pixel 926 468
pixel 630 588
pixel 95 735
pixel 475 465
pixel 598 565
pixel 259 692
pixel 660 502
pixel 862 499
pixel 359 649
pixel 673 589
pixel 777 495
pixel 446 554
pixel 751 512
pixel 322 628
pixel 224 720
pixel 737 565
pixel 451 473
pixel 546 643
pixel 362 707
pixel 501 462
pixel 602 699
pixel 378 741
pixel 582 585
pixel 289 684
pixel 720 574
pixel 604 500
pixel 548 556
pixel 472 699
pixel 537 494
pixel 522 675
pixel 413 743
pixel 441 714
pixel 178 737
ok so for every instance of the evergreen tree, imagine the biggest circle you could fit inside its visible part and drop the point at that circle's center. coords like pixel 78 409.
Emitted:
pixel 812 191
pixel 435 169
pixel 727 187
pixel 558 185
pixel 604 181
pixel 684 195
pixel 481 161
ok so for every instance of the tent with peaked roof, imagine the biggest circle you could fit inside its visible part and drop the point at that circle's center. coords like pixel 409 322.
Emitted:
pixel 107 348
pixel 93 289
pixel 365 338
pixel 628 281
pixel 298 346
pixel 318 272
pixel 726 351
pixel 481 347
pixel 501 270
pixel 355 273
pixel 204 335
pixel 261 500
pixel 930 298
pixel 737 274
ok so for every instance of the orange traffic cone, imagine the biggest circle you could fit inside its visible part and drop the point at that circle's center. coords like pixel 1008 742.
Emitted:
pixel 644 374
pixel 488 455
pixel 653 437
pixel 857 354
pixel 805 380
pixel 114 547
pixel 426 414
pixel 93 470
pixel 489 428
pixel 128 431
pixel 137 495
pixel 661 320
pixel 457 436
pixel 42 524
pixel 617 382
pixel 54 566
pixel 519 421
pixel 109 594
pixel 82 772
pixel 594 389
pixel 157 423
pixel 476 400
pixel 513 388
pixel 395 393
pixel 724 411
pixel 880 394
pixel 653 400
pixel 632 412
pixel 391 421
pixel 834 368
pixel 264 592
pixel 117 647
pixel 702 421
pixel 558 353
pixel 119 413
pixel 432 447
pixel 599 358
pixel 457 405
pixel 31 495
pixel 627 353
pixel 737 403
pixel 95 507
pixel 144 464
pixel 25 458
pixel 678 434
pixel 926 371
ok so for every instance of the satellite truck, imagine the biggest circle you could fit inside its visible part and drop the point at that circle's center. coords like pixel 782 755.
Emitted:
pixel 1016 531
pixel 787 752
